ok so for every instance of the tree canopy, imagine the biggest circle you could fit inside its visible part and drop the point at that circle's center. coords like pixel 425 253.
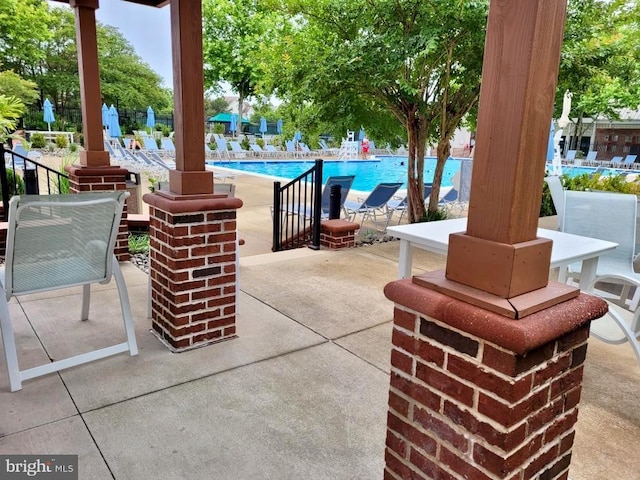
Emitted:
pixel 38 43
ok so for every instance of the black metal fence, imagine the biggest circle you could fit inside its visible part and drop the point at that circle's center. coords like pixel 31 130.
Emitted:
pixel 23 175
pixel 70 119
pixel 297 211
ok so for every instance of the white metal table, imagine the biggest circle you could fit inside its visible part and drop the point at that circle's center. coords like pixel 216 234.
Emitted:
pixel 434 237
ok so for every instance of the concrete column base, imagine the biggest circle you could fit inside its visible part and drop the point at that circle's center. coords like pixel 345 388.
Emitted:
pixel 193 261
pixel 477 395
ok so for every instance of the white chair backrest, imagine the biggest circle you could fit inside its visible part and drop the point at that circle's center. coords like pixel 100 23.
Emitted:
pixel 557 195
pixel 603 215
pixel 55 241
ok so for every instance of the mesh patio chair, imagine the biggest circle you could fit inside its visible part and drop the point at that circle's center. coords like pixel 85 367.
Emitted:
pixel 374 206
pixel 607 216
pixel 60 241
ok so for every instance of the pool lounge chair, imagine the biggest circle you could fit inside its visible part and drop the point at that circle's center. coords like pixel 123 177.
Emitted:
pixel 168 146
pixel 345 182
pixel 221 148
pixel 150 144
pixel 571 155
pixel 400 205
pixel 629 161
pixel 237 150
pixel 374 206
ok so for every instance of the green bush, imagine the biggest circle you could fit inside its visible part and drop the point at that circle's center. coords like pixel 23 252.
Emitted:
pixel 158 127
pixel 73 147
pixel 37 140
pixel 138 243
pixel 14 183
pixel 81 139
pixel 547 208
pixel 260 142
pixel 218 128
pixel 166 131
pixel 434 216
pixel 61 141
pixel 245 143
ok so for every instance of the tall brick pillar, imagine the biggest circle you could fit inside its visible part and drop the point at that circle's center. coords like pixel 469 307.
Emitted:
pixel 477 395
pixel 193 268
pixel 95 179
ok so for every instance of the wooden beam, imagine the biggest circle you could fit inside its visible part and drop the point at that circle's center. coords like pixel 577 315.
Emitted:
pixel 190 176
pixel 93 154
pixel 519 77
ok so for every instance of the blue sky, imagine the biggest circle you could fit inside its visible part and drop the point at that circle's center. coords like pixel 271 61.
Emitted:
pixel 146 28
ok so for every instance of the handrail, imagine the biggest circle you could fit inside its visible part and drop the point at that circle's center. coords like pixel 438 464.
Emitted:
pixel 32 172
pixel 297 211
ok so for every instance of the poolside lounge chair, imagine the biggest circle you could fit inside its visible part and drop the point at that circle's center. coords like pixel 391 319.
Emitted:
pixel 615 162
pixel 401 205
pixel 374 206
pixel 272 150
pixel 629 161
pixel 168 146
pixel 571 155
pixel 607 216
pixel 345 182
pixel 150 144
pixel 237 149
pixel 61 241
pixel 591 159
pixel 257 149
pixel 221 148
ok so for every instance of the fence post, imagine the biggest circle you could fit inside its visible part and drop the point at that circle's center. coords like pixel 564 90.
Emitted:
pixel 277 227
pixel 334 201
pixel 317 207
pixel 4 184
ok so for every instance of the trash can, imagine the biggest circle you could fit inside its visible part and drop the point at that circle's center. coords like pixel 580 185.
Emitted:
pixel 30 179
pixel 134 202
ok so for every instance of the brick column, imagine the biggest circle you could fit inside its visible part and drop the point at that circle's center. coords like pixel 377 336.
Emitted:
pixel 94 179
pixel 477 395
pixel 337 234
pixel 193 255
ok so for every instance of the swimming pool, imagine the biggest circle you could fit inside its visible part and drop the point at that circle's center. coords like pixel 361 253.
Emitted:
pixel 368 174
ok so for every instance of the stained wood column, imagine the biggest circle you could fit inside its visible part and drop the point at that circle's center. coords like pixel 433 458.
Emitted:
pixel 500 253
pixel 190 176
pixel 93 154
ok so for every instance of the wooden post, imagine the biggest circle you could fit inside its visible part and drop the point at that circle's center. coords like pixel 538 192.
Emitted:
pixel 500 253
pixel 93 154
pixel 190 176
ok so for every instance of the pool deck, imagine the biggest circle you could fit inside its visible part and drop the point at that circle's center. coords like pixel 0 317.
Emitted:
pixel 300 394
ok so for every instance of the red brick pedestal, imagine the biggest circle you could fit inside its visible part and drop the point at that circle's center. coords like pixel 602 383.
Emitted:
pixel 477 395
pixel 336 234
pixel 193 240
pixel 109 178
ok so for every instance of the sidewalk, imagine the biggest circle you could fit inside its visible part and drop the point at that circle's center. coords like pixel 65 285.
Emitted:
pixel 300 394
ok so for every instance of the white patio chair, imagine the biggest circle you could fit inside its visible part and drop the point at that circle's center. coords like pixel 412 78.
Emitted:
pixel 60 241
pixel 606 216
pixel 618 326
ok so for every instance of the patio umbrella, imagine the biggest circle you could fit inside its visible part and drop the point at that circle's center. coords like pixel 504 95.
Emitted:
pixel 105 115
pixel 114 123
pixel 361 134
pixel 550 145
pixel 233 123
pixel 263 126
pixel 47 109
pixel 151 118
pixel 297 136
pixel 279 126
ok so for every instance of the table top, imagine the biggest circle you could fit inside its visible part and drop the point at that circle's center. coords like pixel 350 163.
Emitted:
pixel 434 236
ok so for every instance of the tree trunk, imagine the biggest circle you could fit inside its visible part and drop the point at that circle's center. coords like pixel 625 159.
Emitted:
pixel 240 105
pixel 417 129
pixel 444 150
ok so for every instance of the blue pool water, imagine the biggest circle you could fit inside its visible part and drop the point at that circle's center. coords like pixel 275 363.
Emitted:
pixel 368 174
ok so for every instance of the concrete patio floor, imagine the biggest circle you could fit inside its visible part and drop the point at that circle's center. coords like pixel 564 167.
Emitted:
pixel 300 394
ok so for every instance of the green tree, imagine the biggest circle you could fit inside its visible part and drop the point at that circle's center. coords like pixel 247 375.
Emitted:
pixel 600 60
pixel 234 30
pixel 10 110
pixel 419 62
pixel 11 85
pixel 214 106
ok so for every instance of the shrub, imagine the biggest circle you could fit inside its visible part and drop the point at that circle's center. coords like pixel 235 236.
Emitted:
pixel 158 127
pixel 15 183
pixel 218 128
pixel 81 139
pixel 61 141
pixel 37 140
pixel 73 147
pixel 260 142
pixel 434 216
pixel 158 142
pixel 166 131
pixel 547 208
pixel 245 143
pixel 138 243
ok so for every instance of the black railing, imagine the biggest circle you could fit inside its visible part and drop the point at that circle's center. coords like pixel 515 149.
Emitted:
pixel 23 175
pixel 297 211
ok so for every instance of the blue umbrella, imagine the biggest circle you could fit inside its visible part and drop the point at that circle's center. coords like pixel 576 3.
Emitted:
pixel 151 118
pixel 279 126
pixel 263 125
pixel 114 123
pixel 47 108
pixel 551 145
pixel 233 123
pixel 297 136
pixel 105 115
pixel 361 134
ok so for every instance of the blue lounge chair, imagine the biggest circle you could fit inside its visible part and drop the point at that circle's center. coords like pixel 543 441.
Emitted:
pixel 237 149
pixel 375 205
pixel 168 146
pixel 150 144
pixel 400 205
pixel 221 148
pixel 629 161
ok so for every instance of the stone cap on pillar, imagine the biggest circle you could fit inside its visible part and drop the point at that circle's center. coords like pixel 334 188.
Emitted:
pixel 174 203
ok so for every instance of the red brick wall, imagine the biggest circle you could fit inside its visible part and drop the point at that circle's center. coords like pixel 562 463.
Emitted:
pixel 463 407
